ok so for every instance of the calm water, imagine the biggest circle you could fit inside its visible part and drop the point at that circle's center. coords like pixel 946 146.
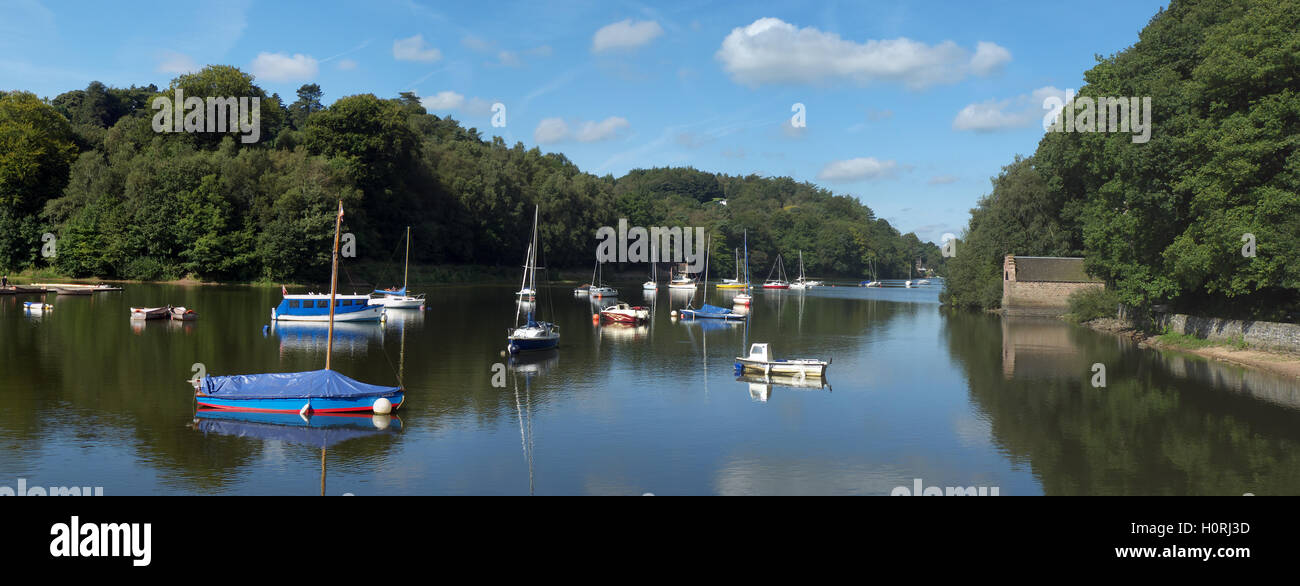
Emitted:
pixel 955 399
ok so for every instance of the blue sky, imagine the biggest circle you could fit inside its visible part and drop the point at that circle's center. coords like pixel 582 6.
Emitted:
pixel 909 106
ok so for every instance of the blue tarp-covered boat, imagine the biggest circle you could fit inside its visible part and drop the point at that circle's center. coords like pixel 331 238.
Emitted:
pixel 320 391
pixel 711 312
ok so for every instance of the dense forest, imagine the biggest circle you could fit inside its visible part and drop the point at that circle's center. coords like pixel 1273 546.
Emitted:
pixel 125 201
pixel 1167 221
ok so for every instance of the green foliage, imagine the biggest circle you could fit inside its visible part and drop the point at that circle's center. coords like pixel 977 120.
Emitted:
pixel 1092 303
pixel 1163 221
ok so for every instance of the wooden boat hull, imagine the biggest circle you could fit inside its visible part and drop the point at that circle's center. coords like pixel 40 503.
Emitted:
pixel 318 404
pixel 64 291
pixel 632 316
pixel 143 313
pixel 783 367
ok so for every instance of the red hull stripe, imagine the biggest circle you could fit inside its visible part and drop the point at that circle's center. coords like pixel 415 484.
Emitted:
pixel 314 410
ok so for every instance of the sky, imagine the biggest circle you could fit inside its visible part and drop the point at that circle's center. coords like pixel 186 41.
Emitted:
pixel 909 106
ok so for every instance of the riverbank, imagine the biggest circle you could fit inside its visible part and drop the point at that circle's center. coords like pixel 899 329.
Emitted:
pixel 1236 352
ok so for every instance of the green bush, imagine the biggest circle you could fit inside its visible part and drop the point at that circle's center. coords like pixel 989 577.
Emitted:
pixel 1093 303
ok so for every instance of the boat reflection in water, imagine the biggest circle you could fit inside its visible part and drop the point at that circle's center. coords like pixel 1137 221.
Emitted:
pixel 534 363
pixel 760 386
pixel 322 431
pixel 314 336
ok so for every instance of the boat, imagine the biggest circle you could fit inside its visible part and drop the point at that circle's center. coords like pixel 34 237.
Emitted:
pixel 707 311
pixel 398 298
pixel 531 334
pixel 143 313
pixel 923 282
pixel 37 306
pixel 304 393
pixel 317 307
pixel 19 290
pixel 183 314
pixel 744 299
pixel 599 288
pixel 802 282
pixel 735 283
pixel 681 281
pixel 779 282
pixel 624 314
pixel 582 289
pixel 760 360
pixel 73 290
pixel 653 283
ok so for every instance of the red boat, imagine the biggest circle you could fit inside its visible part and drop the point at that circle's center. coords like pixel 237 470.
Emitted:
pixel 624 314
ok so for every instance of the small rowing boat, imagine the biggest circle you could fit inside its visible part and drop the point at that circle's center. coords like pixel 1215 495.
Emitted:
pixel 183 314
pixel 36 306
pixel 143 313
pixel 760 360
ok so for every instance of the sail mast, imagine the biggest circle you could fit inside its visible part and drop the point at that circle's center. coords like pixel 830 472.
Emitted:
pixel 334 285
pixel 406 276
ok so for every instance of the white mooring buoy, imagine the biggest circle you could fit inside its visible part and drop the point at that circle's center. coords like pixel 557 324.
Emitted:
pixel 383 406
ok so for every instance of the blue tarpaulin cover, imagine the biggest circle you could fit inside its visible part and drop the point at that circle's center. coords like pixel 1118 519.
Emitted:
pixel 291 385
pixel 401 291
pixel 713 309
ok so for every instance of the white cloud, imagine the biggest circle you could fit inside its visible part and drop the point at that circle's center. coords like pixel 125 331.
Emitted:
pixel 771 50
pixel 553 130
pixel 173 62
pixel 859 169
pixel 447 100
pixel 414 49
pixel 550 130
pixel 1018 112
pixel 282 67
pixel 626 34
pixel 603 130
pixel 347 65
pixel 989 58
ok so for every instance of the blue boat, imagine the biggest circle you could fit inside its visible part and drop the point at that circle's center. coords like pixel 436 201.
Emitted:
pixel 316 307
pixel 533 334
pixel 711 312
pixel 305 393
pixel 317 391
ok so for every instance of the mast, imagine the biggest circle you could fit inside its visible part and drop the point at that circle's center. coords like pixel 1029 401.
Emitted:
pixel 406 275
pixel 334 286
pixel 746 260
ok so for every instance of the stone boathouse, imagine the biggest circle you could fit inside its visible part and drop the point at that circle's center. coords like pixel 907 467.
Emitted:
pixel 1040 285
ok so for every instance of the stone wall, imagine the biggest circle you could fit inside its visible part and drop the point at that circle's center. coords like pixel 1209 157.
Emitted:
pixel 1040 297
pixel 1260 334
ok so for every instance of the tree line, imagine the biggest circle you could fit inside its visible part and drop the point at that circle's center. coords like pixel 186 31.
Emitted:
pixel 1205 217
pixel 125 201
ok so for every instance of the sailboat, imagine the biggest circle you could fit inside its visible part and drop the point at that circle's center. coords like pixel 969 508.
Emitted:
pixel 734 283
pixel 304 393
pixel 681 281
pixel 707 311
pixel 397 298
pixel 779 282
pixel 653 283
pixel 532 334
pixel 598 287
pixel 803 282
pixel 743 298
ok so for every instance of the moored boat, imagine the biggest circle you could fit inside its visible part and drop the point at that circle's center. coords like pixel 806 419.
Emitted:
pixel 316 307
pixel 394 298
pixel 35 306
pixel 761 360
pixel 143 313
pixel 625 314
pixel 707 311
pixel 531 334
pixel 779 282
pixel 183 314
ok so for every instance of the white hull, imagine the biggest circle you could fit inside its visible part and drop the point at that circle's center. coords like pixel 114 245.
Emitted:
pixel 370 313
pixel 397 303
pixel 815 368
